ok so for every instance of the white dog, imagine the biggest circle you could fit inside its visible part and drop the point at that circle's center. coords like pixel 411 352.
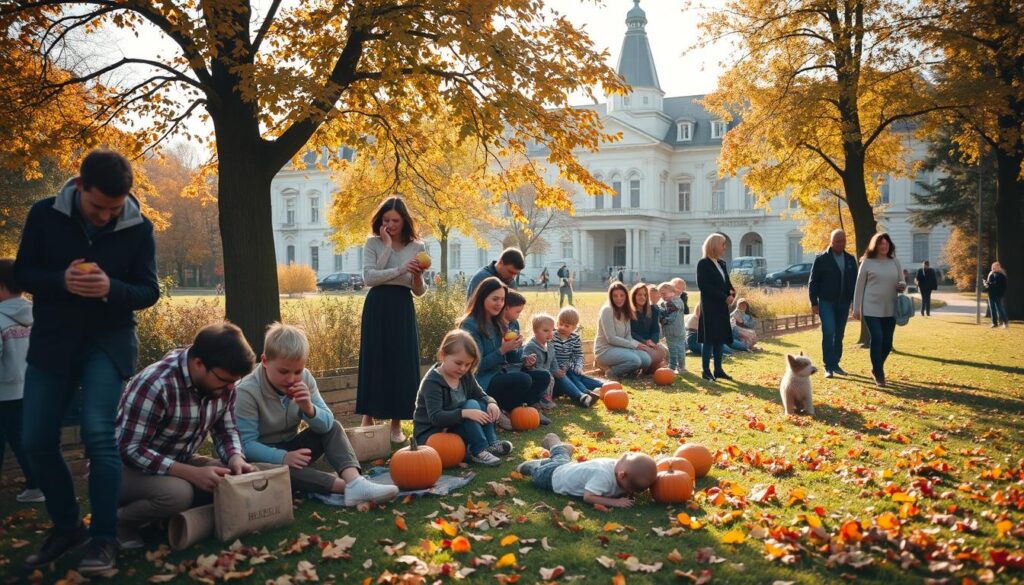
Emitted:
pixel 795 388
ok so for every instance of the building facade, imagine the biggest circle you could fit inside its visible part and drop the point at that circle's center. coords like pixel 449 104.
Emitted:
pixel 668 199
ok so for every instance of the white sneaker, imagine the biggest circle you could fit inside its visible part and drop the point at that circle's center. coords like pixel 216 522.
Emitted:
pixel 32 496
pixel 363 490
pixel 504 422
pixel 485 457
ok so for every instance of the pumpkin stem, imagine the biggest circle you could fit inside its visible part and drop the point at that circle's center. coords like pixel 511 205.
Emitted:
pixel 412 443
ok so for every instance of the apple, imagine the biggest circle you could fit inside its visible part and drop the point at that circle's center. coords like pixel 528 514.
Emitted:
pixel 87 267
pixel 510 335
pixel 424 259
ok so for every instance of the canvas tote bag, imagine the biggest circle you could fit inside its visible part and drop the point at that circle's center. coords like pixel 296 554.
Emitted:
pixel 252 502
pixel 369 443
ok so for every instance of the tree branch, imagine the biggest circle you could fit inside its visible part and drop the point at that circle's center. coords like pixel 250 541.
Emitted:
pixel 265 27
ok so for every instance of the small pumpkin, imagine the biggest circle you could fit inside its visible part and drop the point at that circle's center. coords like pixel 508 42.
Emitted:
pixel 609 386
pixel 449 446
pixel 698 455
pixel 672 487
pixel 677 463
pixel 415 467
pixel 664 376
pixel 524 418
pixel 616 399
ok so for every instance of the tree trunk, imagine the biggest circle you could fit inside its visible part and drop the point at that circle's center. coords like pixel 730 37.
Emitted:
pixel 1010 228
pixel 247 235
pixel 442 240
pixel 864 225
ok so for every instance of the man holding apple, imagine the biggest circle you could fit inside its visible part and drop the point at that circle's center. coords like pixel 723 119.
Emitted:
pixel 87 258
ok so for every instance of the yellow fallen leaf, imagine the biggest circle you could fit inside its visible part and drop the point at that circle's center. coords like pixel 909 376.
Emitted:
pixel 812 520
pixel 774 551
pixel 612 527
pixel 618 579
pixel 460 545
pixel 1003 526
pixel 734 536
pixel 511 538
pixel 903 497
pixel 888 521
pixel 446 527
pixel 508 560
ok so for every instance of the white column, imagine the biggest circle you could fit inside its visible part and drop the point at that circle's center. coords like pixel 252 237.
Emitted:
pixel 629 249
pixel 577 249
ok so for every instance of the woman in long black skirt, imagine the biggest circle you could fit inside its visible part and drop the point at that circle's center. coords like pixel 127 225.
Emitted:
pixel 714 331
pixel 389 347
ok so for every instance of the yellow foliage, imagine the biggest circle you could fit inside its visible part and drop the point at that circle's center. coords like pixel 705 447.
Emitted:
pixel 295 278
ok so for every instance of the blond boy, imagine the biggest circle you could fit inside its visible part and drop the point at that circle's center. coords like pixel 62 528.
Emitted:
pixel 568 348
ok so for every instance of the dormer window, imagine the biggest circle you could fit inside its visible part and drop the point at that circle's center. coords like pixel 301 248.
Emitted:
pixel 684 131
pixel 718 128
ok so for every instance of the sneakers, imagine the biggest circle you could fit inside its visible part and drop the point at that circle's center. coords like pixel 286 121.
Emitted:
pixel 839 371
pixel 100 557
pixel 722 376
pixel 397 436
pixel 546 404
pixel 56 544
pixel 543 419
pixel 128 537
pixel 485 457
pixel 586 400
pixel 828 373
pixel 504 421
pixel 31 496
pixel 362 491
pixel 550 440
pixel 528 468
pixel 500 448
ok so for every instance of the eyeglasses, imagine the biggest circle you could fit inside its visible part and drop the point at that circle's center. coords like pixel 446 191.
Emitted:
pixel 215 375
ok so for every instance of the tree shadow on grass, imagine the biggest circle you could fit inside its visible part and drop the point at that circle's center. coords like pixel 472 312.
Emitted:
pixel 986 407
pixel 969 364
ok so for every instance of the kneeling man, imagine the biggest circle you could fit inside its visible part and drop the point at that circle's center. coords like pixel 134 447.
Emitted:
pixel 165 415
pixel 278 395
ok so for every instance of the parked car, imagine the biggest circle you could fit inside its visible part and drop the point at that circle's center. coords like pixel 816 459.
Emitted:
pixel 794 274
pixel 340 281
pixel 751 268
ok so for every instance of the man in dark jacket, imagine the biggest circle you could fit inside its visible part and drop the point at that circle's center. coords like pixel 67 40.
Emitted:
pixel 87 257
pixel 506 268
pixel 926 283
pixel 833 277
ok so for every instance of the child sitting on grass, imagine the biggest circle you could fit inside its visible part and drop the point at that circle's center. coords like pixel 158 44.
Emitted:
pixel 568 348
pixel 540 347
pixel 605 481
pixel 514 305
pixel 450 397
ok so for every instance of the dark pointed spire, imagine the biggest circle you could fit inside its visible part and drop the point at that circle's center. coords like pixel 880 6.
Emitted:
pixel 636 64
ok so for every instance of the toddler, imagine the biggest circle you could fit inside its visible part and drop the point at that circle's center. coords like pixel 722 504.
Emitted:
pixel 605 481
pixel 543 332
pixel 743 326
pixel 569 357
pixel 450 397
pixel 673 309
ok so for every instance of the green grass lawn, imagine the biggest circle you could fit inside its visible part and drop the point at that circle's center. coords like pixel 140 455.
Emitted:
pixel 930 467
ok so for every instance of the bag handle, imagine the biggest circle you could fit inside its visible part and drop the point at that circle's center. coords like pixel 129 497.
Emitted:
pixel 259 484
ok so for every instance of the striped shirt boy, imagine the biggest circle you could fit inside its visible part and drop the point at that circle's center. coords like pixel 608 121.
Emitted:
pixel 568 352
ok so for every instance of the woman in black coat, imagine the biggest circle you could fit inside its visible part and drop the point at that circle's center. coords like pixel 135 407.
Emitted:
pixel 716 295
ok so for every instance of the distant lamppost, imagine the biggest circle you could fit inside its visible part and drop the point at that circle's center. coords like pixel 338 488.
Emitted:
pixel 977 284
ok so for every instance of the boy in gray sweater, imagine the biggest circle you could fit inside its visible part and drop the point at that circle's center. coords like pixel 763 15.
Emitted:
pixel 15 325
pixel 540 346
pixel 272 401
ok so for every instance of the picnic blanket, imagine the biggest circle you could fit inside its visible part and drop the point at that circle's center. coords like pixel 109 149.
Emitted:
pixel 444 485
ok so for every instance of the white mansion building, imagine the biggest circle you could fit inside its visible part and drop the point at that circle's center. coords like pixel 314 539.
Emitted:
pixel 669 198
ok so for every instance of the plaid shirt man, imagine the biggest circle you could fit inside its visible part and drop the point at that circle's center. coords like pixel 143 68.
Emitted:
pixel 163 418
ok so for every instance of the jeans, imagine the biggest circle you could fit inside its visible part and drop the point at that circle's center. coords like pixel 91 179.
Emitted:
pixel 476 436
pixel 623 360
pixel 997 310
pixel 881 330
pixel 566 387
pixel 926 302
pixel 562 293
pixel 514 389
pixel 560 455
pixel 833 326
pixel 583 381
pixel 706 351
pixel 676 352
pixel 47 395
pixel 10 432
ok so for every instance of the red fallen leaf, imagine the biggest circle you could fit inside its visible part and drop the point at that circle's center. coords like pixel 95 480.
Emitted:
pixel 764 494
pixel 407 499
pixel 522 519
pixel 1003 558
pixel 623 556
pixel 604 540
pixel 400 523
pixel 819 511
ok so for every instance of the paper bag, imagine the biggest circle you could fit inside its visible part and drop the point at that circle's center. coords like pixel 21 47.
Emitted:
pixel 247 503
pixel 189 527
pixel 370 443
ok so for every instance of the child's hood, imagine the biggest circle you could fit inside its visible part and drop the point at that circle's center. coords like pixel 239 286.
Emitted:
pixel 18 310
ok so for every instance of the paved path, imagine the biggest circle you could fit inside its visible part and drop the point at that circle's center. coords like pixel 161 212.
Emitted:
pixel 958 304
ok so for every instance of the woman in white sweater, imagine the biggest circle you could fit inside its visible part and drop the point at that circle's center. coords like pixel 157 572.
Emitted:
pixel 879 280
pixel 615 350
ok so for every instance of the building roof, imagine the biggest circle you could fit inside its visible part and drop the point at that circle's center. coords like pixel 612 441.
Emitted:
pixel 636 64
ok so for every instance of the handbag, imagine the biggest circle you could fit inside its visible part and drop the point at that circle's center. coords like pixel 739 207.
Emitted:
pixel 369 443
pixel 251 502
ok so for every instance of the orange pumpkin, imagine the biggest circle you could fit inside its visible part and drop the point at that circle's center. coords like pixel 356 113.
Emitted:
pixel 449 447
pixel 616 399
pixel 672 487
pixel 678 464
pixel 609 386
pixel 524 418
pixel 698 455
pixel 415 467
pixel 664 376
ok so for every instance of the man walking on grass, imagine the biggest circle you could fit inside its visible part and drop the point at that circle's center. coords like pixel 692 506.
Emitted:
pixel 833 277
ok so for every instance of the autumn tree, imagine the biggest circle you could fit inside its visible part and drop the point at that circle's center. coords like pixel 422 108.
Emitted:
pixel 443 177
pixel 527 218
pixel 322 73
pixel 981 71
pixel 818 89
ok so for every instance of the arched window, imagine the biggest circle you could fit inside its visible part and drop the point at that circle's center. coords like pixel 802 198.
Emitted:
pixel 634 190
pixel 683 250
pixel 617 188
